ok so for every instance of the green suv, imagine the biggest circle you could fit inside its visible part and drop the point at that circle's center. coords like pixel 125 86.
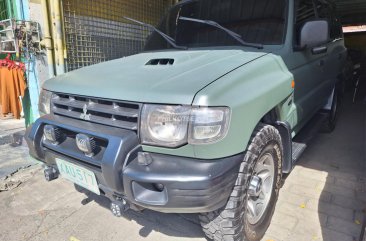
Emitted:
pixel 203 120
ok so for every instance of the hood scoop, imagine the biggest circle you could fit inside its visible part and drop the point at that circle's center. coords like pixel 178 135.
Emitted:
pixel 160 62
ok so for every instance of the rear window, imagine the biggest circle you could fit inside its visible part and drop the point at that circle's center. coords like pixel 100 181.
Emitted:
pixel 257 21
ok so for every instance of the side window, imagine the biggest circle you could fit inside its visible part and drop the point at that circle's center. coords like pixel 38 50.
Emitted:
pixel 307 10
pixel 326 11
pixel 304 12
pixel 336 31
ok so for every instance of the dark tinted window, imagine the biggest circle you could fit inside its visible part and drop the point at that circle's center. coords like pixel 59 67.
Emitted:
pixel 310 10
pixel 257 21
pixel 327 11
pixel 305 11
pixel 337 30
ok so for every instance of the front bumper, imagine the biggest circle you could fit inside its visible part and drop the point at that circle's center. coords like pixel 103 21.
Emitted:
pixel 190 185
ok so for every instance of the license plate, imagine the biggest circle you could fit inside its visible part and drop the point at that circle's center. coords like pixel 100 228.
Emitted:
pixel 78 175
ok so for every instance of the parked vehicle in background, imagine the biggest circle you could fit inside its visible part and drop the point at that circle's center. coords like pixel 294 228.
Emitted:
pixel 203 120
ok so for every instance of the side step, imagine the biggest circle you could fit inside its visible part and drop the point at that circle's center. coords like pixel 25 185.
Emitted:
pixel 297 150
pixel 301 141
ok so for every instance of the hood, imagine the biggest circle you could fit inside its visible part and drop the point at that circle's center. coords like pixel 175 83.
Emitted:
pixel 171 77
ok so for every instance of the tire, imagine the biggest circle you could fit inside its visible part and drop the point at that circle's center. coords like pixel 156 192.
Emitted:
pixel 331 120
pixel 234 221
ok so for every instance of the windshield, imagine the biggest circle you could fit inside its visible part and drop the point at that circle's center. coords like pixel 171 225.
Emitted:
pixel 256 21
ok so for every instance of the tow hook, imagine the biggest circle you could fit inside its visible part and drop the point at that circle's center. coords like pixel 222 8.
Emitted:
pixel 119 206
pixel 50 174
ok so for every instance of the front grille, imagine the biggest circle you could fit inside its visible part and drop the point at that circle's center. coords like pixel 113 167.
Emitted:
pixel 107 112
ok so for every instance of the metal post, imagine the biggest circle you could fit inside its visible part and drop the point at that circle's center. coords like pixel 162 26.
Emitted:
pixel 58 35
pixel 48 38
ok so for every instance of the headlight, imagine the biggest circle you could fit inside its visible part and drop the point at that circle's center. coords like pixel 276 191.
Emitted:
pixel 44 104
pixel 173 126
pixel 164 125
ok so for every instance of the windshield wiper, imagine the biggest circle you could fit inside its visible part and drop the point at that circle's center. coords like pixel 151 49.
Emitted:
pixel 169 39
pixel 236 36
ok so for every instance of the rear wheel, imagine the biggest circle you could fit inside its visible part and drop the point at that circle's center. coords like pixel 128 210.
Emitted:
pixel 332 117
pixel 249 210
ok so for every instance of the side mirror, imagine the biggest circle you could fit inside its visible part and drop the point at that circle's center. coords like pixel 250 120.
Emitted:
pixel 314 33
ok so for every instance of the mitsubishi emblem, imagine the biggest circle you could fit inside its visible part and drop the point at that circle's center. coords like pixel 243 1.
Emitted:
pixel 85 115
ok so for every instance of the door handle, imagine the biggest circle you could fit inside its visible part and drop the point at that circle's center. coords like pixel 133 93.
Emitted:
pixel 319 50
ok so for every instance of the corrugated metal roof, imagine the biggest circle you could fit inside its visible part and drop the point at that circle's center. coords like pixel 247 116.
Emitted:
pixel 351 11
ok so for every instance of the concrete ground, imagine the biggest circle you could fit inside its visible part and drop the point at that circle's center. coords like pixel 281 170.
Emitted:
pixel 14 157
pixel 322 199
pixel 10 129
pixel 13 149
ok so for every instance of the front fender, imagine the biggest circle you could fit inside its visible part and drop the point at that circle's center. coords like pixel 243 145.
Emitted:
pixel 250 91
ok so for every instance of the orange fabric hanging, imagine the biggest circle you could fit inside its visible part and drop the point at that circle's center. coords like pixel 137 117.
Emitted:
pixel 12 85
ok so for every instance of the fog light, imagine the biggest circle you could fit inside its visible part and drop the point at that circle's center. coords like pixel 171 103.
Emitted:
pixel 52 134
pixel 86 144
pixel 159 187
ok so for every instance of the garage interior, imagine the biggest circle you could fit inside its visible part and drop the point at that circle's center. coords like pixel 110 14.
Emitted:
pixel 353 13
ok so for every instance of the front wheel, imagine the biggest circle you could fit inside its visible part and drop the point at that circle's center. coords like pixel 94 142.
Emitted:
pixel 248 212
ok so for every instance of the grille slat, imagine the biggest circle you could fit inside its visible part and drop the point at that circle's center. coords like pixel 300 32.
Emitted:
pixel 107 109
pixel 108 112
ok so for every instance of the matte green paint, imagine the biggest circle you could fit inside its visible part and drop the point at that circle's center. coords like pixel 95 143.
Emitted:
pixel 199 77
pixel 314 83
pixel 250 96
pixel 130 79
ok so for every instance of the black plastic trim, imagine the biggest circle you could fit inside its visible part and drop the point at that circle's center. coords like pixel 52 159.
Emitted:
pixel 285 131
pixel 189 185
pixel 120 142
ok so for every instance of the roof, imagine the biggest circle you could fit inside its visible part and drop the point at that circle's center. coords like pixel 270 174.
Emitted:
pixel 351 11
